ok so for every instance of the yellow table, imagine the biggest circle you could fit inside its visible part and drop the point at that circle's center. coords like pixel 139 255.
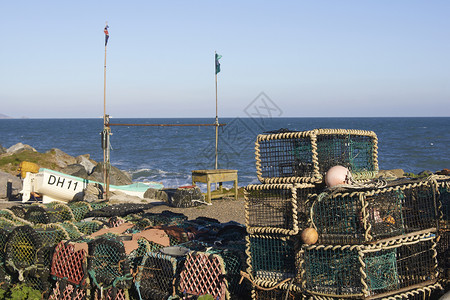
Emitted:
pixel 214 176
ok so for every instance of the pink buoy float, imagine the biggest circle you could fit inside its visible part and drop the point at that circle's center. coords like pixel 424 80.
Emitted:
pixel 338 175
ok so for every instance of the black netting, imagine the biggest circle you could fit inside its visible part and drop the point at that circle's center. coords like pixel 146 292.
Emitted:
pixel 121 210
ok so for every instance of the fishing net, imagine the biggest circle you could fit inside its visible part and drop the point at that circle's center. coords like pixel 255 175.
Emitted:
pixel 272 257
pixel 18 210
pixel 277 208
pixel 357 271
pixel 8 217
pixel 118 210
pixel 356 216
pixel 79 209
pixel 305 156
pixel 71 230
pixel 69 261
pixel 67 291
pixel 165 218
pixel 108 265
pixel 89 227
pixel 98 204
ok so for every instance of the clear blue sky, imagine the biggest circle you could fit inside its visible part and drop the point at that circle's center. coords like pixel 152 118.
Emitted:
pixel 312 58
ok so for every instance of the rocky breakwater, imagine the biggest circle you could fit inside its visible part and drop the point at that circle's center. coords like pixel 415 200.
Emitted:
pixel 81 166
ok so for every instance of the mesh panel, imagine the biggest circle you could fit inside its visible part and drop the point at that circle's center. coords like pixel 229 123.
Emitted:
pixel 355 152
pixel 65 291
pixel 203 273
pixel 70 264
pixel 272 257
pixel 18 210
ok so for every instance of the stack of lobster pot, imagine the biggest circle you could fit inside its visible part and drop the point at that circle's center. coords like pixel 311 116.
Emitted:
pixel 291 167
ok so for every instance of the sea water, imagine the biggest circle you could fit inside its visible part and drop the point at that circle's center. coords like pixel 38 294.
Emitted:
pixel 169 154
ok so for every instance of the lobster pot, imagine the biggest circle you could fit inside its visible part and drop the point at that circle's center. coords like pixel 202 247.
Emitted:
pixel 269 290
pixel 67 291
pixel 215 272
pixel 277 208
pixel 306 156
pixel 272 257
pixel 69 262
pixel 108 265
pixel 21 250
pixel 52 213
pixel 359 216
pixel 444 201
pixel 79 209
pixel 157 276
pixel 28 251
pixel 369 270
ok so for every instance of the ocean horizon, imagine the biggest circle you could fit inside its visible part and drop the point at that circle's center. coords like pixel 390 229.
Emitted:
pixel 169 154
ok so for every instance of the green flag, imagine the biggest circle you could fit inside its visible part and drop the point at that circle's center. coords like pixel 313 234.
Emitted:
pixel 217 63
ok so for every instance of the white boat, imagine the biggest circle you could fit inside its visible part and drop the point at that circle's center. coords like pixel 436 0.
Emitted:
pixel 57 186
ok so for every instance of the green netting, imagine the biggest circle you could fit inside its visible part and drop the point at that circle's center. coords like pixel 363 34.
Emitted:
pixel 88 227
pixel 354 152
pixel 272 257
pixel 21 250
pixel 18 210
pixel 290 157
pixel 79 209
pixel 333 271
pixel 71 230
pixel 381 268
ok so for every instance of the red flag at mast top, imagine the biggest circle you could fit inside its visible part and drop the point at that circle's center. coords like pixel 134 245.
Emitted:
pixel 106 34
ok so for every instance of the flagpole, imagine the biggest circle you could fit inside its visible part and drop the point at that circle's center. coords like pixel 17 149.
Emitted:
pixel 106 129
pixel 217 117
